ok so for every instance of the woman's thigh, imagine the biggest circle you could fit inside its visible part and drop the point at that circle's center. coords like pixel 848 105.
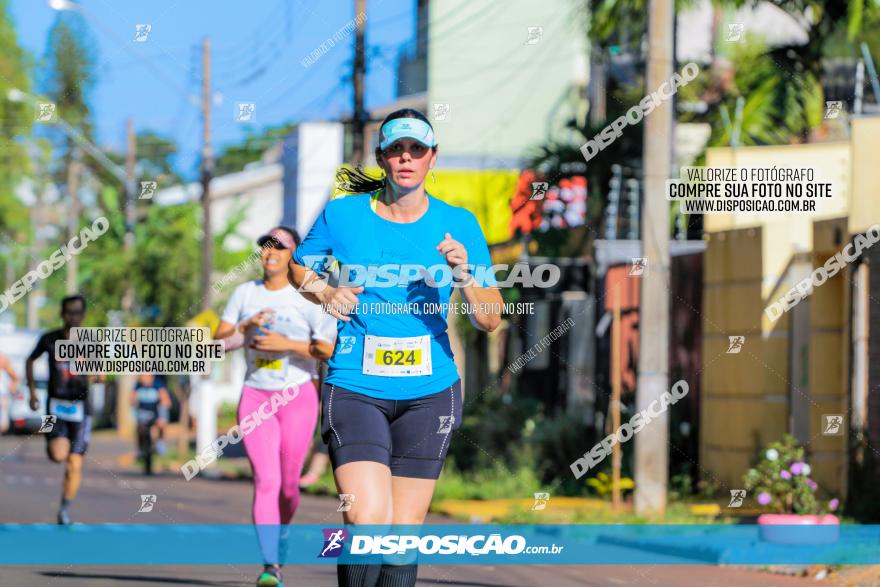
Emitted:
pixel 297 419
pixel 365 492
pixel 411 498
pixel 358 434
pixel 261 443
pixel 355 427
pixel 421 433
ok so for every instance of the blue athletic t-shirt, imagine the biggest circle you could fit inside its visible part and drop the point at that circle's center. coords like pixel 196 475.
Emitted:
pixel 353 234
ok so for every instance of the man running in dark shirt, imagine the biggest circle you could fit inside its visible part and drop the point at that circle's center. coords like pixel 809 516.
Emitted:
pixel 67 400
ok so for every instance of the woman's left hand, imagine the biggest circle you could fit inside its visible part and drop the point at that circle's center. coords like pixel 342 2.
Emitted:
pixel 269 340
pixel 455 252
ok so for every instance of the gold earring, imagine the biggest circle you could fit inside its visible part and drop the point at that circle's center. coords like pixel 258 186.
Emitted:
pixel 433 179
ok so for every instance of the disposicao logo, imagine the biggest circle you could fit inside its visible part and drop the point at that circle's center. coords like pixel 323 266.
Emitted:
pixel 334 538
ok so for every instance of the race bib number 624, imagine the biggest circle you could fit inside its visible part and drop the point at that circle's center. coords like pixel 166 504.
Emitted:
pixel 412 358
pixel 397 357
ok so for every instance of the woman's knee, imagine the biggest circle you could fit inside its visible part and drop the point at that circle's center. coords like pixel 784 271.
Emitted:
pixel 267 484
pixel 368 514
pixel 415 519
pixel 290 492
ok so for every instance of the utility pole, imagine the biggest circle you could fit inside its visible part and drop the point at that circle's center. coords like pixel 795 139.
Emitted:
pixel 615 399
pixel 124 424
pixel 129 199
pixel 598 89
pixel 652 444
pixel 360 116
pixel 206 409
pixel 207 172
pixel 72 266
pixel 38 218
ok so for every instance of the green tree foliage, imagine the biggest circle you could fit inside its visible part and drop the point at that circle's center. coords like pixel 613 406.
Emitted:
pixel 781 86
pixel 156 155
pixel 17 118
pixel 782 100
pixel 235 157
pixel 69 73
pixel 154 162
pixel 164 266
pixel 558 159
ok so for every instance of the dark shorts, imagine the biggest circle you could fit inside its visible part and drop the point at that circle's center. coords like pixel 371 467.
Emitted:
pixel 411 437
pixel 78 433
pixel 149 416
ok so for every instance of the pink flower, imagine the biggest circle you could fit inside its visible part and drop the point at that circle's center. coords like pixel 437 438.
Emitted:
pixel 811 484
pixel 832 505
pixel 797 468
pixel 785 474
pixel 764 498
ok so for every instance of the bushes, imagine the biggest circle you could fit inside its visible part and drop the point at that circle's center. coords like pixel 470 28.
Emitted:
pixel 501 434
pixel 496 482
pixel 781 483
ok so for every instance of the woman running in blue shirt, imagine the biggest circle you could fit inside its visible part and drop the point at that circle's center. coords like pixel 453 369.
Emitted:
pixel 392 397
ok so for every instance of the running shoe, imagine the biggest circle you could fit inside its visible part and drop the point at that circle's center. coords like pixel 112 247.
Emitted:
pixel 271 577
pixel 64 517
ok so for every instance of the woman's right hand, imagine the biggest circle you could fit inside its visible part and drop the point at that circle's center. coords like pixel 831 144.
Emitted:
pixel 257 319
pixel 339 301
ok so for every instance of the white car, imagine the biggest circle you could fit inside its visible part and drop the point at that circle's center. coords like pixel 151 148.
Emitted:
pixel 16 414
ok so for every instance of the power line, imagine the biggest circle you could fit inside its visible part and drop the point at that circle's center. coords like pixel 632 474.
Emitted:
pixel 283 95
pixel 127 47
pixel 135 62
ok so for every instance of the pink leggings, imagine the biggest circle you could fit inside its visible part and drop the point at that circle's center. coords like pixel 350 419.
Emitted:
pixel 277 448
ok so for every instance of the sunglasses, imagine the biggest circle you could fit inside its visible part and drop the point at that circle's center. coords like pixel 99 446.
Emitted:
pixel 271 242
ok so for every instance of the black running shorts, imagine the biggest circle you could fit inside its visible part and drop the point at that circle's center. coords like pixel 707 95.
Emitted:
pixel 78 433
pixel 411 437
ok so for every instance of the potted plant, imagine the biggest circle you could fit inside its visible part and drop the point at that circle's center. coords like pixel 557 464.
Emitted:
pixel 782 485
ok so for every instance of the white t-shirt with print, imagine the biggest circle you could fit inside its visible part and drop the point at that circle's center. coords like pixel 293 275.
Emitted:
pixel 294 317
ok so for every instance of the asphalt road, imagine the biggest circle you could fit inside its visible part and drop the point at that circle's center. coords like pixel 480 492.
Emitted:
pixel 30 488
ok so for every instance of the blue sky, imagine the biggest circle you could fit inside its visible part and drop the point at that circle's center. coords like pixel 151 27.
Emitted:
pixel 257 49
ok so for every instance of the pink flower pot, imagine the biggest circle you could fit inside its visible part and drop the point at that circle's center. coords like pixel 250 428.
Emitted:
pixel 782 529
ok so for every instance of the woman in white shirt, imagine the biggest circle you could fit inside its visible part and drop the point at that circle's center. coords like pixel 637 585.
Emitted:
pixel 284 334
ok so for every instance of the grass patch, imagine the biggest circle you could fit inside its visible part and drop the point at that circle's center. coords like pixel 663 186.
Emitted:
pixel 676 513
pixel 496 483
pixel 172 458
pixel 227 416
pixel 325 485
